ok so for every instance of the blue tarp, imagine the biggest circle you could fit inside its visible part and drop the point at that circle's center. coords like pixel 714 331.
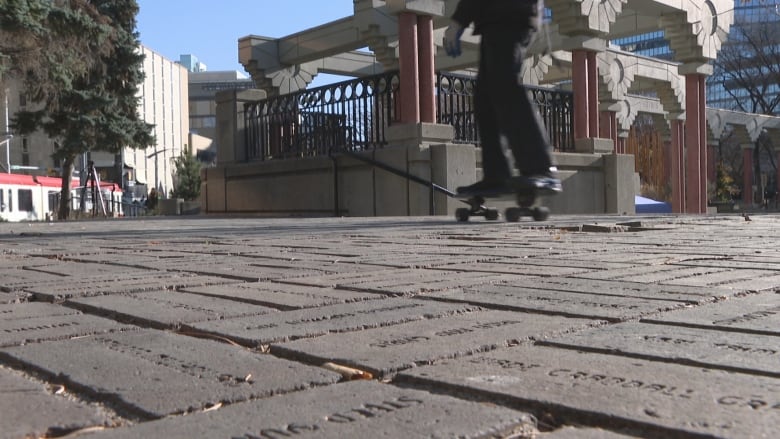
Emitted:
pixel 646 205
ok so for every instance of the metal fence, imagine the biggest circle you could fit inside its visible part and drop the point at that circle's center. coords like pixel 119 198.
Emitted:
pixel 353 115
pixel 456 107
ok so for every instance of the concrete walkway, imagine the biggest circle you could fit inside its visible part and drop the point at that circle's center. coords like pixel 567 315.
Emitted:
pixel 580 327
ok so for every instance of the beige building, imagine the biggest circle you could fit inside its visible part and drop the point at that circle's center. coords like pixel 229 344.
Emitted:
pixel 163 102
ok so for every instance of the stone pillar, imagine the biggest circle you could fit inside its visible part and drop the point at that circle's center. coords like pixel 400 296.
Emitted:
pixel 427 69
pixel 677 166
pixel 408 60
pixel 747 174
pixel 231 145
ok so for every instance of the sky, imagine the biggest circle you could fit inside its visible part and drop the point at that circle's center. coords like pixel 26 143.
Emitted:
pixel 210 29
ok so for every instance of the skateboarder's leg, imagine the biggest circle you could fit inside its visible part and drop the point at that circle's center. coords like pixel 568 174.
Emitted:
pixel 495 168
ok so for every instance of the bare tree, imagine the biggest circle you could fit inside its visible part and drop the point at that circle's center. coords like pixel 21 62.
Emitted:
pixel 748 70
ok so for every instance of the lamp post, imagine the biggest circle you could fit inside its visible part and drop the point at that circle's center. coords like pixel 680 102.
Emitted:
pixel 156 168
pixel 6 136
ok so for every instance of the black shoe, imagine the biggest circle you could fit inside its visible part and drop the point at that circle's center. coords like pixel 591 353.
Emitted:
pixel 484 187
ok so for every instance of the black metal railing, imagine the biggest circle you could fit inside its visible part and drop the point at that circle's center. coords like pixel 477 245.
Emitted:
pixel 456 107
pixel 351 115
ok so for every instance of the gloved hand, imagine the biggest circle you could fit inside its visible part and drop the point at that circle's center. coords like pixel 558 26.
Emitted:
pixel 452 39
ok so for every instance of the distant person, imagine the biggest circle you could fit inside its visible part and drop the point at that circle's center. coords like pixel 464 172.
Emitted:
pixel 506 117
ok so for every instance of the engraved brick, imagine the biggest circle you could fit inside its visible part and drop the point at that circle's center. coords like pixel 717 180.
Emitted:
pixel 667 399
pixel 593 306
pixel 354 409
pixel 151 373
pixel 746 353
pixel 291 325
pixel 399 281
pixel 124 284
pixel 758 314
pixel 30 410
pixel 625 289
pixel 33 322
pixel 165 309
pixel 384 351
pixel 517 267
pixel 283 296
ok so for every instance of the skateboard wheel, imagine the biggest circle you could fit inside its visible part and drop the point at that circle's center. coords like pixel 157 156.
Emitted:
pixel 513 214
pixel 462 215
pixel 491 214
pixel 540 213
pixel 525 199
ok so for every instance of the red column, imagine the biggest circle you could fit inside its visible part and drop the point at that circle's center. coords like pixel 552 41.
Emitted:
pixel 677 162
pixel 747 172
pixel 408 63
pixel 608 128
pixel 427 69
pixel 593 95
pixel 580 88
pixel 777 180
pixel 693 142
pixel 703 147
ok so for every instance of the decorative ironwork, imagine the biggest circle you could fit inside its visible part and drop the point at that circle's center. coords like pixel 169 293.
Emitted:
pixel 456 107
pixel 349 115
pixel 353 115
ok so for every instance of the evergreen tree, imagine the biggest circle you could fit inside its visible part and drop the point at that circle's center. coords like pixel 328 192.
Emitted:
pixel 100 111
pixel 48 44
pixel 187 176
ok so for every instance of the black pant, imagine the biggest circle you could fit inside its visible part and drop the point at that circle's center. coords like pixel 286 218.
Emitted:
pixel 506 116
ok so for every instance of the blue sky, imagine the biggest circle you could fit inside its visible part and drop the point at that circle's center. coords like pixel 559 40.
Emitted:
pixel 210 29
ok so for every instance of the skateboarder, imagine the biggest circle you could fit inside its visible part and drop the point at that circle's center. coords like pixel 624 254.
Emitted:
pixel 506 117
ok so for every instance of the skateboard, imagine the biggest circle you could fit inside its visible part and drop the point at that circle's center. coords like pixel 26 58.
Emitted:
pixel 520 190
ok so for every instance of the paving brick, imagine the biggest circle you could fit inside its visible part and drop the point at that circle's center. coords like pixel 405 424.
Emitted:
pixel 29 409
pixel 384 351
pixel 155 281
pixel 150 374
pixel 304 323
pixel 516 267
pixel 586 305
pixel 398 281
pixel 165 309
pixel 282 296
pixel 608 288
pixel 355 409
pixel 667 400
pixel 746 353
pixel 757 314
pixel 23 323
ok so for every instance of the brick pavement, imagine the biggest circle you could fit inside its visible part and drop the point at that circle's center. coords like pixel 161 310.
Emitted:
pixel 580 327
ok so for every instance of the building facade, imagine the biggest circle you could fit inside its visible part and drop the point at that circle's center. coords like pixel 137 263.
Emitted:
pixel 163 102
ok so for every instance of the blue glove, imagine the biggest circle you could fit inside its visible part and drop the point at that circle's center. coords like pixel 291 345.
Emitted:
pixel 452 39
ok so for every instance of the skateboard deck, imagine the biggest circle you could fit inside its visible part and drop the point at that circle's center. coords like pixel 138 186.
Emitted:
pixel 525 195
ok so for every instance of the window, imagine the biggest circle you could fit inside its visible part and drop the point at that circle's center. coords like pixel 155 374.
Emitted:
pixel 2 201
pixel 25 200
pixel 10 207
